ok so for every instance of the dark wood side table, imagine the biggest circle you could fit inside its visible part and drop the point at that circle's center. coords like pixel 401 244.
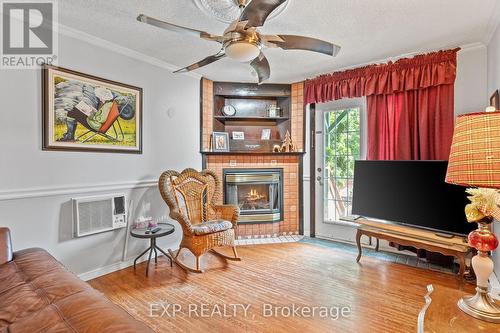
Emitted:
pixel 441 314
pixel 166 229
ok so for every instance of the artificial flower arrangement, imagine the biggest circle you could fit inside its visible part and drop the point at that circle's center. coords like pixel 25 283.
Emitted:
pixel 484 206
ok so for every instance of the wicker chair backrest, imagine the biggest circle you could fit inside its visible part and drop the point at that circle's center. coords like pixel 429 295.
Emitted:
pixel 191 193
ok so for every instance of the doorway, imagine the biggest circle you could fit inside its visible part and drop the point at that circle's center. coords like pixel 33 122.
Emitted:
pixel 340 139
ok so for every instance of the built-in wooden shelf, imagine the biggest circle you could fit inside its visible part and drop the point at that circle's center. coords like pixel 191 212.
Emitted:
pixel 295 153
pixel 276 120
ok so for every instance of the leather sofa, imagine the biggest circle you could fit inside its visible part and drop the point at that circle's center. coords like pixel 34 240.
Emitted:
pixel 38 294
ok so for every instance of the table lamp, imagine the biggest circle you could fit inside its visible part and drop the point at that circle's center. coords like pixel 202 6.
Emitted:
pixel 475 161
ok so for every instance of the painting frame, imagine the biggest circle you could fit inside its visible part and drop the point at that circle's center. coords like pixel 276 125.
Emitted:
pixel 265 134
pixel 215 141
pixel 495 100
pixel 49 143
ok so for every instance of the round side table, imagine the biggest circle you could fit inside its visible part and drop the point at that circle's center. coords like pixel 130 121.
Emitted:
pixel 166 229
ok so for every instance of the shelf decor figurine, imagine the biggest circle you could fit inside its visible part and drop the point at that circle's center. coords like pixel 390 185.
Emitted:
pixel 475 161
pixel 273 111
pixel 287 145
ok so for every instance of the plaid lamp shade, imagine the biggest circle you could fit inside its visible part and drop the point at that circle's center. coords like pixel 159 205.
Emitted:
pixel 475 151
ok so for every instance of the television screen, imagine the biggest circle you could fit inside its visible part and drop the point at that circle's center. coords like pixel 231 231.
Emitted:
pixel 412 193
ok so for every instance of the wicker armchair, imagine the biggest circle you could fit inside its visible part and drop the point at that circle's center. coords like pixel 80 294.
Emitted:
pixel 191 197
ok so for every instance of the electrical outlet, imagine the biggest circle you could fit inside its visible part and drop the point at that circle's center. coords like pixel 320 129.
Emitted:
pixel 232 163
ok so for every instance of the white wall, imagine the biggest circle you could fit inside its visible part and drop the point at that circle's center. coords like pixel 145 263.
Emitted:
pixel 470 85
pixel 493 84
pixel 48 180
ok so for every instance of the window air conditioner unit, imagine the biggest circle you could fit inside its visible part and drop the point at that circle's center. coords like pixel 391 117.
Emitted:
pixel 95 214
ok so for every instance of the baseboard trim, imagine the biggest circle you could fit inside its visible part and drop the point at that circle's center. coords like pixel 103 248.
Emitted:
pixel 50 191
pixel 111 268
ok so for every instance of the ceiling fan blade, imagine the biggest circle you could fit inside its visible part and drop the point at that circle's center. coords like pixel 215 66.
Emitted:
pixel 179 29
pixel 208 60
pixel 257 11
pixel 261 66
pixel 292 42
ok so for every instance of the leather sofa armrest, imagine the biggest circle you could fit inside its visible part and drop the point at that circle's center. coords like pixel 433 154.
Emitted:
pixel 5 246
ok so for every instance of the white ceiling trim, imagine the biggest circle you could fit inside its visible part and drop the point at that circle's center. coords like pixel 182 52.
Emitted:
pixel 406 55
pixel 91 39
pixel 492 24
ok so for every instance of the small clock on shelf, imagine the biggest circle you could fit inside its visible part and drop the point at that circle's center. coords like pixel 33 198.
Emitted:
pixel 228 111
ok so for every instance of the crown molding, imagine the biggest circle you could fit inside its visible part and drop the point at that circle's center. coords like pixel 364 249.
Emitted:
pixel 464 47
pixel 105 44
pixel 492 24
pixel 472 46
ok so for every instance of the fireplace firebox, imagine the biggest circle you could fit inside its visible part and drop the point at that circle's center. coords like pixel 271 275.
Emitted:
pixel 258 193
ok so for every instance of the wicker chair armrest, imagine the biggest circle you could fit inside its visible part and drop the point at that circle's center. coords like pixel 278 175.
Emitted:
pixel 230 213
pixel 183 220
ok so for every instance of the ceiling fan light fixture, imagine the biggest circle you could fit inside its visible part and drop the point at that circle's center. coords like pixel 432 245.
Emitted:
pixel 242 51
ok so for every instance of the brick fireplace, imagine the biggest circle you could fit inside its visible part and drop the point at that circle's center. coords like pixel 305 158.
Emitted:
pixel 290 220
pixel 267 210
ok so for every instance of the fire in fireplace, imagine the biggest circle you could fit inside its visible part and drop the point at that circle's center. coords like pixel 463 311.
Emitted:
pixel 258 193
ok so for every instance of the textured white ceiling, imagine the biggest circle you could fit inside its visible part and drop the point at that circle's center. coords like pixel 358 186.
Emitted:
pixel 367 30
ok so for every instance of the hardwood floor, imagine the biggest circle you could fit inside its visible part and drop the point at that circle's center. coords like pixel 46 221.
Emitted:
pixel 381 296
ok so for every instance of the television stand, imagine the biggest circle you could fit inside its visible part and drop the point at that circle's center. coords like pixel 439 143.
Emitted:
pixel 443 235
pixel 417 238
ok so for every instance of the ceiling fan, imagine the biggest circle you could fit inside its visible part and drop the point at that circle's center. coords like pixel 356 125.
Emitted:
pixel 243 42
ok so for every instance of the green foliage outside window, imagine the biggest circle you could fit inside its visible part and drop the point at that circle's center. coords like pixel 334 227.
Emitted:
pixel 342 144
pixel 342 148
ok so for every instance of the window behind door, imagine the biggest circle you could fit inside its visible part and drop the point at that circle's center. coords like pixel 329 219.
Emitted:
pixel 342 148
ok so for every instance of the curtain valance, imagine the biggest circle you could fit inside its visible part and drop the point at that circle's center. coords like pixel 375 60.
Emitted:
pixel 419 72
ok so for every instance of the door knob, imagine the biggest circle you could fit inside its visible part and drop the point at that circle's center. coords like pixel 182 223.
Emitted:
pixel 319 180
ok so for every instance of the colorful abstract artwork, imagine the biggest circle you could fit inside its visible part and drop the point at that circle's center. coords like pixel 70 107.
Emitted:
pixel 88 113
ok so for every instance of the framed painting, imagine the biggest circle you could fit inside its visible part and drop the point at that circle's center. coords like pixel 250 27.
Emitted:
pixel 82 112
pixel 220 141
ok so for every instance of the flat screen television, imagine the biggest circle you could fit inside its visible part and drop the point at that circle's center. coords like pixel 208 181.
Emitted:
pixel 412 193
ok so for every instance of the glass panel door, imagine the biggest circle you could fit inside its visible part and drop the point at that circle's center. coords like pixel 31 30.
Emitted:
pixel 341 148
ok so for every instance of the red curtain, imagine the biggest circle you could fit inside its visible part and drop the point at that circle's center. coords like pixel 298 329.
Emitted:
pixel 411 125
pixel 409 104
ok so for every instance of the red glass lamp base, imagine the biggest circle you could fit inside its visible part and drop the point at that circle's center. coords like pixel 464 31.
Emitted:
pixel 481 305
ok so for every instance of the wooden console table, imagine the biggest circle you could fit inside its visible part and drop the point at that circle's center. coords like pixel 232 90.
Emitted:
pixel 418 238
